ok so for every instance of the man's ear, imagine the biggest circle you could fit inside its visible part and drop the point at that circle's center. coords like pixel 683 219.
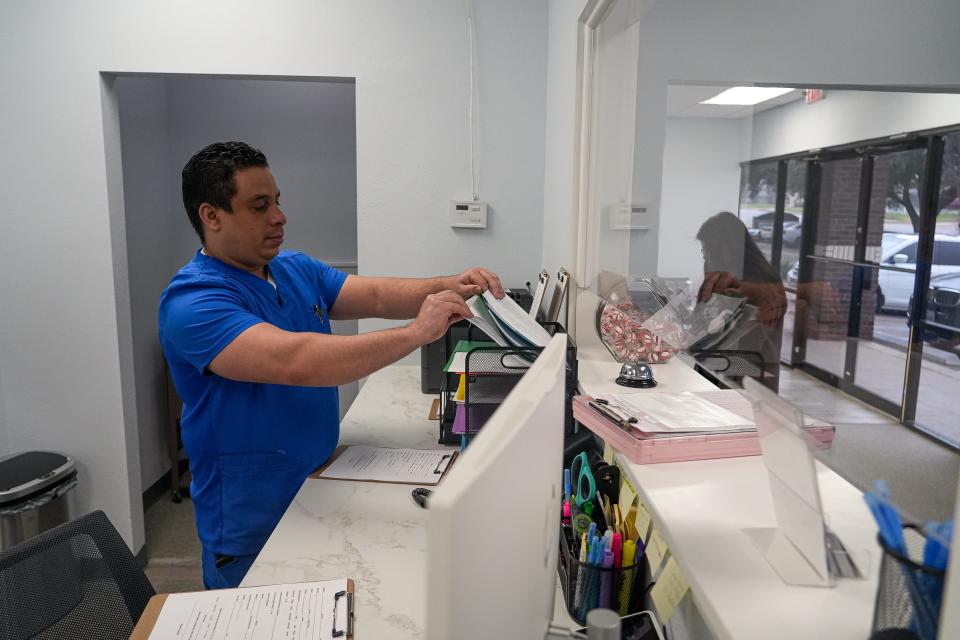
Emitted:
pixel 210 217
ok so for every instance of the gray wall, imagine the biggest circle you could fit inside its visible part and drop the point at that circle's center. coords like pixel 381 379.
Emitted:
pixel 848 116
pixel 701 176
pixel 307 130
pixel 150 199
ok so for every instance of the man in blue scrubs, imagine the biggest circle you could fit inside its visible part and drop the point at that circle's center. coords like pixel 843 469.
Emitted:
pixel 246 331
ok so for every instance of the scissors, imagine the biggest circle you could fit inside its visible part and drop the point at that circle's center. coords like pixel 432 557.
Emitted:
pixel 580 469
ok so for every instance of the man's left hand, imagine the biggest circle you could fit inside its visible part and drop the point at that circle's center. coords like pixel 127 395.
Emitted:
pixel 473 282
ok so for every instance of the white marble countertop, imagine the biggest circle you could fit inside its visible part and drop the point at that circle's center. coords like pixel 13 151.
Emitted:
pixel 371 532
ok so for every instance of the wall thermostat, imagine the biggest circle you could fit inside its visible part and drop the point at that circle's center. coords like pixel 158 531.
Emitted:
pixel 468 214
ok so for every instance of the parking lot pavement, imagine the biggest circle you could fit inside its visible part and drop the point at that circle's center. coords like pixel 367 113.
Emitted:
pixel 892 330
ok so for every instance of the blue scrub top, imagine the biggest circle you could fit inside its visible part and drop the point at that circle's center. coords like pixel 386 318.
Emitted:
pixel 250 445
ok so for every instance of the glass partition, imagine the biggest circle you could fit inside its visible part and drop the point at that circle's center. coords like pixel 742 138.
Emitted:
pixel 803 204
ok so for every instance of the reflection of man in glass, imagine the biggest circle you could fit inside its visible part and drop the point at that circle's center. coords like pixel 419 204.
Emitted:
pixel 733 265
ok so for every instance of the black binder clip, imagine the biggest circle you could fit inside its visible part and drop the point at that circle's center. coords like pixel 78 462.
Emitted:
pixel 336 601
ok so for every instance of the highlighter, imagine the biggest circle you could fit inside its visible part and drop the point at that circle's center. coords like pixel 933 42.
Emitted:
pixel 626 579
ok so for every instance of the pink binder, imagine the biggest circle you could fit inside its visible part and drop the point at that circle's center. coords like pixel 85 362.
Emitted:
pixel 642 449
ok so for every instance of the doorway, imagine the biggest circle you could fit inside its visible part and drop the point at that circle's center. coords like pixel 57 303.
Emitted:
pixel 307 129
pixel 873 288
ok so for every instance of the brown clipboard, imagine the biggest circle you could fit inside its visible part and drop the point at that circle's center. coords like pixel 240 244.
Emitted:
pixel 152 611
pixel 453 453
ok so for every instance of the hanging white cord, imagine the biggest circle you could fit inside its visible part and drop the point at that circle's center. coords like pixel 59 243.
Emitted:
pixel 474 170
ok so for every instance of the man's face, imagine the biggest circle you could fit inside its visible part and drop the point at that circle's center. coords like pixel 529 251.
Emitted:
pixel 252 234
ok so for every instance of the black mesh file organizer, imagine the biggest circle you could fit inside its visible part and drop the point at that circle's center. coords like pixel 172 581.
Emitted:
pixel 491 373
pixel 78 580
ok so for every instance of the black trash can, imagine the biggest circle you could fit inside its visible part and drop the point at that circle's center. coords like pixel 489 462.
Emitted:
pixel 34 494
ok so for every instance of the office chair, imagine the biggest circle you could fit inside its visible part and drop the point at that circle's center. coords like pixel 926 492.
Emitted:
pixel 78 580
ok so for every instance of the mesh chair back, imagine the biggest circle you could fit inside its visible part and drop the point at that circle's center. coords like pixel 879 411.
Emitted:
pixel 78 580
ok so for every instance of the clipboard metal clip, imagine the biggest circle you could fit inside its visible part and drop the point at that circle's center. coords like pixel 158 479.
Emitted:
pixel 438 470
pixel 336 601
pixel 603 407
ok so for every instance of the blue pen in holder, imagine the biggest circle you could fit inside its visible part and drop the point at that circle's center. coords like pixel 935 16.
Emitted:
pixel 908 592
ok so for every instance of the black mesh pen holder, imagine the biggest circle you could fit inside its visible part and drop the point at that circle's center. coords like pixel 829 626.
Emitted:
pixel 908 592
pixel 588 586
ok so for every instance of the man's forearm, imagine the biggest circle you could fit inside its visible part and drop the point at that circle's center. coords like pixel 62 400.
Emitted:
pixel 400 298
pixel 320 360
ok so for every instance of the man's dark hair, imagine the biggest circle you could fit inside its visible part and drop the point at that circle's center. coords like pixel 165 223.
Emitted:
pixel 208 177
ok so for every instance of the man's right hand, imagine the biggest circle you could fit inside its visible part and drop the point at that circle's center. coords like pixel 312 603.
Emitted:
pixel 438 311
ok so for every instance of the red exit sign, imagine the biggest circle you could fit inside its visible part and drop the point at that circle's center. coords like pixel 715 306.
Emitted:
pixel 813 95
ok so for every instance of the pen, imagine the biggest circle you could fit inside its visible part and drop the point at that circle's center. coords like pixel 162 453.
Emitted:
pixel 605 578
pixel 581 575
pixel 567 488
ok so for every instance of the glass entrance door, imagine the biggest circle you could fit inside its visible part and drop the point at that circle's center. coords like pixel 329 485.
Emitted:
pixel 861 264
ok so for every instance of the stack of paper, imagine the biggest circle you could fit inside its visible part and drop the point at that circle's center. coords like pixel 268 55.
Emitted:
pixel 678 413
pixel 505 322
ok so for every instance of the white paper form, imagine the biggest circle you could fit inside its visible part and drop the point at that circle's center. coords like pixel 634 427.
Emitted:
pixel 302 611
pixel 684 412
pixel 381 464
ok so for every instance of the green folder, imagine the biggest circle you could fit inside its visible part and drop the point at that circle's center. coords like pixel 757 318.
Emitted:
pixel 462 347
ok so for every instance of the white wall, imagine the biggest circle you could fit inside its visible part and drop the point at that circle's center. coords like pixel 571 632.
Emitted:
pixel 59 358
pixel 849 116
pixel 701 177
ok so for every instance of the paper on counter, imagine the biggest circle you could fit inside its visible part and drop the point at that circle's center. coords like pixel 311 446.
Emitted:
pixel 291 611
pixel 382 464
pixel 684 412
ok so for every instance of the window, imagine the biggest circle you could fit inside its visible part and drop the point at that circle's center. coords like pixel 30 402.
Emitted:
pixel 946 253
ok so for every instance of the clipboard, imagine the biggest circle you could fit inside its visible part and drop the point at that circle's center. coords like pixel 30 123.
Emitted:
pixel 148 619
pixel 451 454
pixel 559 296
pixel 542 279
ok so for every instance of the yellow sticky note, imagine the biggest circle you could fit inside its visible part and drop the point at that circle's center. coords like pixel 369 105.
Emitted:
pixel 627 494
pixel 608 452
pixel 656 549
pixel 461 394
pixel 642 520
pixel 669 590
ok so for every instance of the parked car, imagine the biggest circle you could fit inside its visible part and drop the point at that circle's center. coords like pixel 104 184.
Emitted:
pixel 896 287
pixel 792 232
pixel 754 233
pixel 943 310
pixel 793 275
